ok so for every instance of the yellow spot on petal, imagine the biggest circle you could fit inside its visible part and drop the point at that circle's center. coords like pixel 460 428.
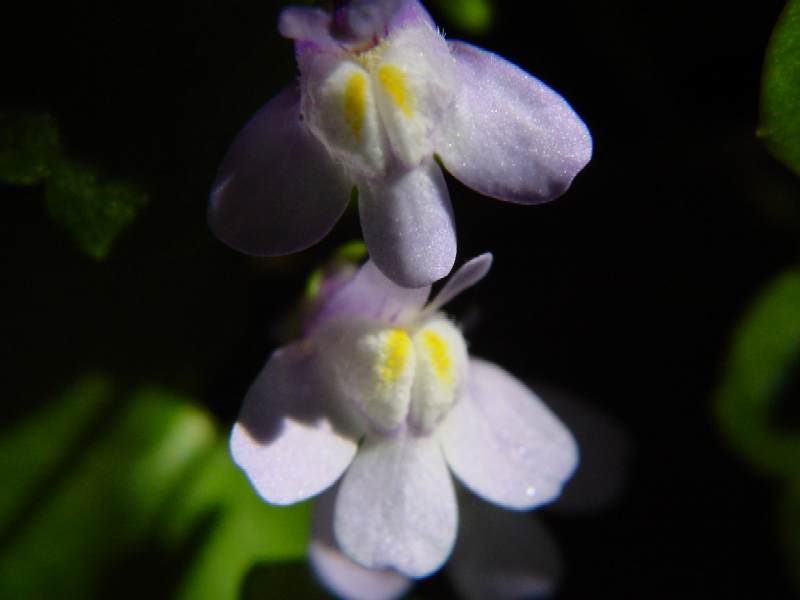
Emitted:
pixel 439 353
pixel 355 103
pixel 393 81
pixel 397 350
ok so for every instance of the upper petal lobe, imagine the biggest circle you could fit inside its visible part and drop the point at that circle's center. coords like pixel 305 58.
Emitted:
pixel 507 134
pixel 278 191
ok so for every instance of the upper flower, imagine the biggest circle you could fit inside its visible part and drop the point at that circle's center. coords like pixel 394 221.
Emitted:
pixel 381 387
pixel 380 94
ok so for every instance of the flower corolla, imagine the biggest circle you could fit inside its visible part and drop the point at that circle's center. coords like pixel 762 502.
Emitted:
pixel 381 95
pixel 381 393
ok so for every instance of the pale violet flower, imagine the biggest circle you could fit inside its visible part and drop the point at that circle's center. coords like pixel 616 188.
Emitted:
pixel 380 94
pixel 382 394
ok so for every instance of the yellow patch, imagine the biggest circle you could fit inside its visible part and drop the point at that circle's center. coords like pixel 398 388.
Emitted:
pixel 393 81
pixel 355 103
pixel 397 350
pixel 439 353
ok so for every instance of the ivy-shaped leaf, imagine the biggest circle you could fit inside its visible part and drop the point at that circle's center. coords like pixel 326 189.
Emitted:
pixel 94 210
pixel 780 89
pixel 765 348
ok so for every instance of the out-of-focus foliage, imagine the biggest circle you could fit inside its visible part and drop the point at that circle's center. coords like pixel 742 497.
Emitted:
pixel 765 348
pixel 29 147
pixel 474 17
pixel 764 353
pixel 102 476
pixel 93 210
pixel 780 89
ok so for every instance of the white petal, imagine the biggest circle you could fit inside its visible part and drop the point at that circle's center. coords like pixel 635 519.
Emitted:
pixel 470 273
pixel 441 367
pixel 508 135
pixel 338 573
pixel 370 367
pixel 502 555
pixel 408 225
pixel 396 506
pixel 414 83
pixel 339 106
pixel 504 444
pixel 290 439
pixel 606 452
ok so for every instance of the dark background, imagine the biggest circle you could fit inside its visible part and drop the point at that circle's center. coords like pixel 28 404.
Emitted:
pixel 625 290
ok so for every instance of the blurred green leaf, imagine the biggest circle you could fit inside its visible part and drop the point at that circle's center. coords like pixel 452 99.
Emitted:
pixel 780 89
pixel 765 348
pixel 33 450
pixel 471 16
pixel 93 211
pixel 106 496
pixel 244 530
pixel 29 147
pixel 102 478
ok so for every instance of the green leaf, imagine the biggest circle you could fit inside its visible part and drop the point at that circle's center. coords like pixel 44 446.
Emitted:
pixel 106 487
pixel 764 350
pixel 780 89
pixel 29 147
pixel 95 212
pixel 240 530
pixel 472 16
pixel 33 450
pixel 104 498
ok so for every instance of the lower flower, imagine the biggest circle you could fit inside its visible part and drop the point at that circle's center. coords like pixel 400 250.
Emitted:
pixel 382 393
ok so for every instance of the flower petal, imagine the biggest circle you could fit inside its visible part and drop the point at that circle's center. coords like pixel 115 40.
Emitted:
pixel 409 12
pixel 508 135
pixel 338 573
pixel 502 555
pixel 470 273
pixel 370 296
pixel 606 453
pixel 396 507
pixel 414 82
pixel 289 438
pixel 504 444
pixel 278 191
pixel 408 226
pixel 306 24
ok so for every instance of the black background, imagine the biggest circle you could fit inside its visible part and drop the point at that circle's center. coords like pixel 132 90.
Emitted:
pixel 625 290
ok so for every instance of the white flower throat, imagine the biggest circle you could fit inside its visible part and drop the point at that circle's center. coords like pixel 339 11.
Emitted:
pixel 394 375
pixel 380 104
